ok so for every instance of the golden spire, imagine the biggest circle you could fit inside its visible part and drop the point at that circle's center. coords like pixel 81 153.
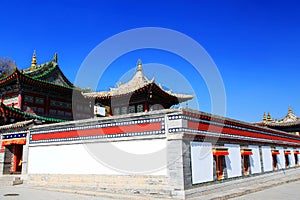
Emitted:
pixel 139 65
pixel 269 118
pixel 264 118
pixel 290 110
pixel 33 61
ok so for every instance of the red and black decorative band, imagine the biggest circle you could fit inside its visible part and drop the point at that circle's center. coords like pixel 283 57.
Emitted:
pixel 107 130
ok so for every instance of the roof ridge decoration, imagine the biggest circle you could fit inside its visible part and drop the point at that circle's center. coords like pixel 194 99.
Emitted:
pixel 33 61
pixel 289 119
pixel 40 72
pixel 139 80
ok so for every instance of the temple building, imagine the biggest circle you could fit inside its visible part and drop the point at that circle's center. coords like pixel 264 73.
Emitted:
pixel 140 147
pixel 40 92
pixel 290 123
pixel 138 95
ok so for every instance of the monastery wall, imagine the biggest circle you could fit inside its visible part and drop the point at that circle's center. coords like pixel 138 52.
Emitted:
pixel 166 153
pixel 123 155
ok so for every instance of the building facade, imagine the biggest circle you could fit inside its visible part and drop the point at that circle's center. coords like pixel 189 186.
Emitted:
pixel 290 123
pixel 193 148
pixel 141 146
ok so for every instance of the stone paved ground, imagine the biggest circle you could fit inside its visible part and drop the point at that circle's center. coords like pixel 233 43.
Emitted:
pixel 20 192
pixel 240 187
pixel 288 191
pixel 283 184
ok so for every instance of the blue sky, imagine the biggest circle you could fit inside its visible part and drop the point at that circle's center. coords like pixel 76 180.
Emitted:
pixel 255 44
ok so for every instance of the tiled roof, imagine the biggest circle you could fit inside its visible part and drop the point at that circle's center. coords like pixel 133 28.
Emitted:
pixel 17 125
pixel 138 81
pixel 27 115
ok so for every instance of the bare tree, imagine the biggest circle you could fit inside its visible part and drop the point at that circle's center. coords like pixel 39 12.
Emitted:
pixel 7 66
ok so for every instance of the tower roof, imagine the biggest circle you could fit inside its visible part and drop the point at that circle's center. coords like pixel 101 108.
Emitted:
pixel 138 82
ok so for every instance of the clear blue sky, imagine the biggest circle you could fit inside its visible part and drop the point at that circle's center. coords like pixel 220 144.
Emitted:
pixel 255 44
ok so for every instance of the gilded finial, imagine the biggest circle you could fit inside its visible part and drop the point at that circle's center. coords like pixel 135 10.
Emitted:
pixel 33 61
pixel 55 57
pixel 264 117
pixel 139 65
pixel 269 117
pixel 290 110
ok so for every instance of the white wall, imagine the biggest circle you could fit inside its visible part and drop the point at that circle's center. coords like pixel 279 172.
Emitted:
pixel 280 158
pixel 255 164
pixel 291 157
pixel 202 162
pixel 91 159
pixel 267 158
pixel 233 160
pixel 298 156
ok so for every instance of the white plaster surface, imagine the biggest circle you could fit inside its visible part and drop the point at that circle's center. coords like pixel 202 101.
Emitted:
pixel 233 160
pixel 202 162
pixel 280 158
pixel 291 157
pixel 255 164
pixel 267 158
pixel 76 159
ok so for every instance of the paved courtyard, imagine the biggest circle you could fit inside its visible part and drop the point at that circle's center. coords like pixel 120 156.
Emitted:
pixel 25 193
pixel 287 191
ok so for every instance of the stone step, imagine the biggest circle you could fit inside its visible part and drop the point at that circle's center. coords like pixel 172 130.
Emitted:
pixel 9 180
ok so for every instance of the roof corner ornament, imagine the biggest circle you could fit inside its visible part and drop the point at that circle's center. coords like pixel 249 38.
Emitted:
pixel 33 61
pixel 139 65
pixel 55 57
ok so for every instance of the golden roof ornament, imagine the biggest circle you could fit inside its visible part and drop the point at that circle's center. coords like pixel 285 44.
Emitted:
pixel 269 119
pixel 290 110
pixel 264 118
pixel 33 61
pixel 55 59
pixel 139 65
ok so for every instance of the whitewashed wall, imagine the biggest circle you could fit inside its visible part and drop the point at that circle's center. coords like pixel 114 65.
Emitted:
pixel 291 157
pixel 267 158
pixel 255 164
pixel 202 162
pixel 233 160
pixel 280 158
pixel 298 155
pixel 76 159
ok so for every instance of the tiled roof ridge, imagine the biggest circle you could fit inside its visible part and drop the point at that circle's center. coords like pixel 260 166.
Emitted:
pixel 32 116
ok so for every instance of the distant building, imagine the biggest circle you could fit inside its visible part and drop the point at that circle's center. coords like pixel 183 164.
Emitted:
pixel 40 92
pixel 290 123
pixel 188 148
pixel 137 95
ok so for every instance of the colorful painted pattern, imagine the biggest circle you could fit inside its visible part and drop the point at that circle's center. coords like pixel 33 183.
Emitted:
pixel 19 138
pixel 104 130
pixel 217 127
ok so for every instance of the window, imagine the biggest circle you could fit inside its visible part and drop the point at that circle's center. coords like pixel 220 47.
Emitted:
pixel 220 166
pixel 131 109
pixel 296 159
pixel 116 111
pixel 39 100
pixel 246 164
pixel 287 161
pixel 140 108
pixel 274 157
pixel 156 107
pixel 124 110
pixel 28 99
